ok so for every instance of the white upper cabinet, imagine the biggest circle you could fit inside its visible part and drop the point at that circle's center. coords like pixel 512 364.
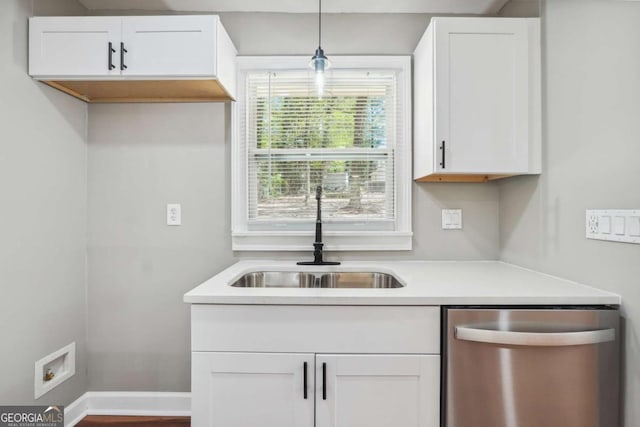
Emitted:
pixel 134 58
pixel 477 99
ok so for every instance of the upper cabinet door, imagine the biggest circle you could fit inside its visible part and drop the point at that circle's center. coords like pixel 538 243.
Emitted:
pixel 169 45
pixel 74 46
pixel 377 390
pixel 482 95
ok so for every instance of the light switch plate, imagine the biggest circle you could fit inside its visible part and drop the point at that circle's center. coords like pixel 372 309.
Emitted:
pixel 615 225
pixel 451 219
pixel 634 226
pixel 618 225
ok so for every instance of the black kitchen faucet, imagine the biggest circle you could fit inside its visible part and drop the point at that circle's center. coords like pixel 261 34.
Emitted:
pixel 317 245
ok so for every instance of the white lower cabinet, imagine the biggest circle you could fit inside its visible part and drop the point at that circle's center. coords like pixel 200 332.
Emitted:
pixel 315 366
pixel 268 390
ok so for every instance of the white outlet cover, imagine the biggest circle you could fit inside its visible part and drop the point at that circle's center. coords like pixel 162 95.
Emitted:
pixel 174 214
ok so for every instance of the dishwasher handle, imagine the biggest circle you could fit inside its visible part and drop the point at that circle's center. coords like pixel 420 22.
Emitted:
pixel 542 339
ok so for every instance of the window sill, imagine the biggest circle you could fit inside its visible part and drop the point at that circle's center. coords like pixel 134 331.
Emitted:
pixel 333 241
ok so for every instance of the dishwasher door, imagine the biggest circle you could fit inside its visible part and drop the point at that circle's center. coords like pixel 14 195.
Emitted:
pixel 546 367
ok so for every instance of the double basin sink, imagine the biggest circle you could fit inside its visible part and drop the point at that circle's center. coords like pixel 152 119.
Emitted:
pixel 296 279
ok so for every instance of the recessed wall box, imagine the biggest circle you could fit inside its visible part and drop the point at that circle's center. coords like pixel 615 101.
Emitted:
pixel 52 370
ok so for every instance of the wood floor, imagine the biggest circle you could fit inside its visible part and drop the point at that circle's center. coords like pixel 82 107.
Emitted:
pixel 127 421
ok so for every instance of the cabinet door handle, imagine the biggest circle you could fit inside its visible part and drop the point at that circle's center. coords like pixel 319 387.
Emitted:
pixel 122 52
pixel 111 52
pixel 304 380
pixel 442 147
pixel 324 381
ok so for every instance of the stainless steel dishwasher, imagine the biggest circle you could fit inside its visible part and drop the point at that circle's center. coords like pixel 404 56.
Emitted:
pixel 524 367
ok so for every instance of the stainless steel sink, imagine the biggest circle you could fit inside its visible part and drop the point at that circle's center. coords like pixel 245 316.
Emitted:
pixel 294 279
pixel 359 280
pixel 276 279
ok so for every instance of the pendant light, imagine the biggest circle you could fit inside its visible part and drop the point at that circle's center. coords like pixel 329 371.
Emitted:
pixel 319 62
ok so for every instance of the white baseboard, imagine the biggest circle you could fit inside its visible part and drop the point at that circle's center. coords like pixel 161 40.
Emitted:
pixel 128 403
pixel 76 411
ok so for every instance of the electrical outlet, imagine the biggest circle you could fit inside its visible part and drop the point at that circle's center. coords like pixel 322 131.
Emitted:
pixel 592 222
pixel 174 214
pixel 616 225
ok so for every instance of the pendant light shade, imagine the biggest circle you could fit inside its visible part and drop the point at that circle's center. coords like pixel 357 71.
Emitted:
pixel 319 62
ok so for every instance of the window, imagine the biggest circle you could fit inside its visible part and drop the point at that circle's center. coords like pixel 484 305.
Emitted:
pixel 351 138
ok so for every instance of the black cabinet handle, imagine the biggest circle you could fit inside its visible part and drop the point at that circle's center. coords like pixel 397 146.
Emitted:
pixel 304 380
pixel 111 52
pixel 324 381
pixel 122 52
pixel 442 163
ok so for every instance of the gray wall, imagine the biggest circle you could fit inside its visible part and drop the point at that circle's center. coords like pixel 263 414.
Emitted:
pixel 297 34
pixel 592 144
pixel 521 8
pixel 142 157
pixel 42 216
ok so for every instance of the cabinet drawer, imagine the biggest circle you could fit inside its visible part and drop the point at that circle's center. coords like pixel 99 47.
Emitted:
pixel 327 329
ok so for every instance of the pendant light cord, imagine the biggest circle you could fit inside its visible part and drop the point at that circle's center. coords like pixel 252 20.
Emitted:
pixel 319 23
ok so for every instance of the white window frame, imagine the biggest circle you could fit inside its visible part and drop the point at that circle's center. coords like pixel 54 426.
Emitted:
pixel 244 239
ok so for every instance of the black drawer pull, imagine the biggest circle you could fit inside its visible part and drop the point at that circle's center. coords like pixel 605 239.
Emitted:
pixel 111 52
pixel 304 380
pixel 442 163
pixel 324 381
pixel 122 52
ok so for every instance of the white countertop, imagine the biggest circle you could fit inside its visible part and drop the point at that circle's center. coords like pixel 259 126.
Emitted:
pixel 426 283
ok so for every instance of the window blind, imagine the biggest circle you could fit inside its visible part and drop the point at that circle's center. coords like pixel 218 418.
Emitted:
pixel 343 139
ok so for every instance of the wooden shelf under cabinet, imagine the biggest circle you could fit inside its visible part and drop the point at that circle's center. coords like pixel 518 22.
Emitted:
pixel 460 178
pixel 143 90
